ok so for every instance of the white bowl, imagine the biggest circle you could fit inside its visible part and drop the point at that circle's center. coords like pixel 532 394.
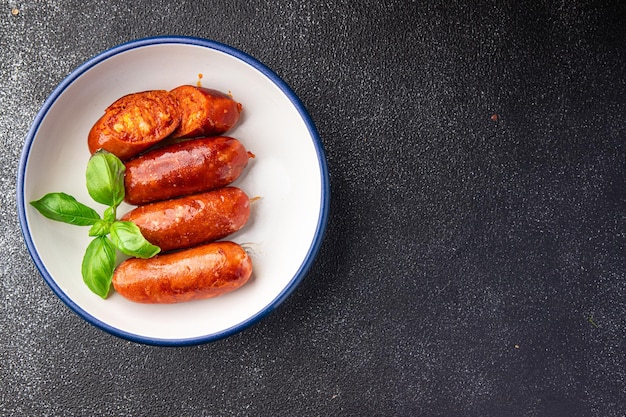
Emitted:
pixel 289 173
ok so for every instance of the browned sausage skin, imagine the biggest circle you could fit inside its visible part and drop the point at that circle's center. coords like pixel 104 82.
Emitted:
pixel 184 168
pixel 134 123
pixel 189 221
pixel 201 272
pixel 204 112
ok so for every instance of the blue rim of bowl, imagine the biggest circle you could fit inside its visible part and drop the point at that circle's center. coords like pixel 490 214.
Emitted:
pixel 325 189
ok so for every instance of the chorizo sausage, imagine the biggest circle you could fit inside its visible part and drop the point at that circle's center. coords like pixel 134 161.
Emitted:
pixel 204 112
pixel 189 221
pixel 135 122
pixel 184 168
pixel 192 274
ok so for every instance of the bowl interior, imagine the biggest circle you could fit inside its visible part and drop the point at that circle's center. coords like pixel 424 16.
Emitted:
pixel 288 173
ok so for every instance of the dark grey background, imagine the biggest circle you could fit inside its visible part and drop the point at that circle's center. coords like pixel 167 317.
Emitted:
pixel 474 258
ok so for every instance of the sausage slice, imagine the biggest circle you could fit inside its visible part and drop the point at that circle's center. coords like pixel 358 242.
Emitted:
pixel 204 112
pixel 135 122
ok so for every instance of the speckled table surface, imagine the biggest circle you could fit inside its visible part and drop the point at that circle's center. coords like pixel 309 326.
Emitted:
pixel 474 261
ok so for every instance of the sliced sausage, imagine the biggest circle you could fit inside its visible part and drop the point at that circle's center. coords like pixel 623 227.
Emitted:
pixel 184 168
pixel 134 123
pixel 204 112
pixel 192 274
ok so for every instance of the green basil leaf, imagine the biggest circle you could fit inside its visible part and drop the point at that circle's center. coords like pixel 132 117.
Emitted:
pixel 105 178
pixel 100 228
pixel 98 265
pixel 64 208
pixel 127 237
pixel 110 214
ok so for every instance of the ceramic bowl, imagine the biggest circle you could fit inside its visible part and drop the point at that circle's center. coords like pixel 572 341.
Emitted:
pixel 289 173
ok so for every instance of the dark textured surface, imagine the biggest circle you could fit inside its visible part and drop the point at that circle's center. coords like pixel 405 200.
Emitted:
pixel 474 259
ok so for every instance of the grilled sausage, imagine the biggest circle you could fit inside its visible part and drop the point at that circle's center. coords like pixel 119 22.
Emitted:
pixel 189 221
pixel 201 272
pixel 134 123
pixel 184 168
pixel 204 112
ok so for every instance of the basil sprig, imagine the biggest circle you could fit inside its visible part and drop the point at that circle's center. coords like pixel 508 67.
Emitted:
pixel 105 184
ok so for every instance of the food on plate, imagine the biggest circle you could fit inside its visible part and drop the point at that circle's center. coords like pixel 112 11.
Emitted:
pixel 184 168
pixel 105 184
pixel 134 123
pixel 204 111
pixel 197 273
pixel 181 188
pixel 192 220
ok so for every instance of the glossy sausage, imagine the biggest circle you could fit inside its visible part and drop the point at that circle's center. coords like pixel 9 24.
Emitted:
pixel 184 168
pixel 189 221
pixel 204 112
pixel 134 123
pixel 192 274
